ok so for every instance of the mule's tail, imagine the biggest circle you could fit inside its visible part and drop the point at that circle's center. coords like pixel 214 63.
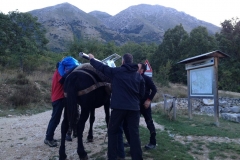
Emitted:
pixel 71 100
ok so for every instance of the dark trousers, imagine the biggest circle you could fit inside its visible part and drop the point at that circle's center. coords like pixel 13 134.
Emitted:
pixel 116 120
pixel 120 150
pixel 58 106
pixel 147 114
pixel 126 131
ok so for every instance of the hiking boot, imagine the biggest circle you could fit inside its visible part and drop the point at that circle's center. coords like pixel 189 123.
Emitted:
pixel 74 134
pixel 50 143
pixel 126 144
pixel 119 158
pixel 56 140
pixel 68 137
pixel 150 146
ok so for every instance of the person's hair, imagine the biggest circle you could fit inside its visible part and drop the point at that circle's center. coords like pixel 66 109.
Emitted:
pixel 57 65
pixel 143 66
pixel 128 58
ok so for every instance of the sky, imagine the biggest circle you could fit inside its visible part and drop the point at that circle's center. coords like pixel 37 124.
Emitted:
pixel 212 11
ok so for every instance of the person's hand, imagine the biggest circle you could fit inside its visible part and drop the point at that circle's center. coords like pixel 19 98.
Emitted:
pixel 147 103
pixel 90 56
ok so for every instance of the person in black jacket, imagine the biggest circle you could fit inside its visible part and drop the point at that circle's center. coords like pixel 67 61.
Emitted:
pixel 145 107
pixel 127 91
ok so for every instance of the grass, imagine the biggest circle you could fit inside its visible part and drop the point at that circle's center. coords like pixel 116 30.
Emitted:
pixel 100 155
pixel 26 110
pixel 223 150
pixel 22 94
pixel 166 149
pixel 170 148
pixel 200 125
pixel 196 147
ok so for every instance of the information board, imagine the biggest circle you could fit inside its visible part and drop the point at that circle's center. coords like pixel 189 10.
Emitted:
pixel 201 81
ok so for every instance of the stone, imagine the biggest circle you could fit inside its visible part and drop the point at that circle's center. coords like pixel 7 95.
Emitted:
pixel 224 104
pixel 235 109
pixel 207 109
pixel 231 117
pixel 208 102
pixel 225 110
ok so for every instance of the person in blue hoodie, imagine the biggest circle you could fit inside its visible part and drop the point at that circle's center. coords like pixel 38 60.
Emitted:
pixel 128 89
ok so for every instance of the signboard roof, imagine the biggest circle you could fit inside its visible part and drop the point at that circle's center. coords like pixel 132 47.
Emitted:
pixel 216 53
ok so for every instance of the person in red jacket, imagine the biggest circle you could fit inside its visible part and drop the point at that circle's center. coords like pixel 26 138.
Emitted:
pixel 58 103
pixel 64 67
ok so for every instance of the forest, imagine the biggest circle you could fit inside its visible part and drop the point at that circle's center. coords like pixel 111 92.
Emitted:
pixel 23 46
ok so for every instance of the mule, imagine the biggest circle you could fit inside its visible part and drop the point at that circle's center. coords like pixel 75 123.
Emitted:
pixel 80 82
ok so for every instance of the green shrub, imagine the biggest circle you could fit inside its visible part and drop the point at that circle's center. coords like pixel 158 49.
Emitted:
pixel 25 94
pixel 20 79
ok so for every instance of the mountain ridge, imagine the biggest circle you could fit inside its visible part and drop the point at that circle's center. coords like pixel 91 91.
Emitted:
pixel 139 23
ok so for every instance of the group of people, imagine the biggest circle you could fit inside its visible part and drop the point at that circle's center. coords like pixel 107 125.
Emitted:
pixel 132 93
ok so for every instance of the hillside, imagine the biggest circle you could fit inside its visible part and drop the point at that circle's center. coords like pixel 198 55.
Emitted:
pixel 63 22
pixel 156 18
pixel 140 23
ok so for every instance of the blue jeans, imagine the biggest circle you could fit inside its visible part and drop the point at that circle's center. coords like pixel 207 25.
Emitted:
pixel 58 106
pixel 116 120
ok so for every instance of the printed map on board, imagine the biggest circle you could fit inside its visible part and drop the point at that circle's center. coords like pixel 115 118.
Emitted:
pixel 201 81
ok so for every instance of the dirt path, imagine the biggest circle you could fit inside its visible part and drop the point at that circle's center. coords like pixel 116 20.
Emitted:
pixel 22 138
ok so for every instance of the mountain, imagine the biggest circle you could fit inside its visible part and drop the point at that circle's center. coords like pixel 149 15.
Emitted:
pixel 63 22
pixel 141 18
pixel 140 23
pixel 100 15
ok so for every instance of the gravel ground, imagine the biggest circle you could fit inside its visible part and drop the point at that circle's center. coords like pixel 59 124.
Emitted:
pixel 22 137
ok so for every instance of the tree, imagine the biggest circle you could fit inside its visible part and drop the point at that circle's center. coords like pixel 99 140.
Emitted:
pixel 109 49
pixel 200 42
pixel 229 37
pixel 172 49
pixel 26 36
pixel 5 36
pixel 140 52
pixel 229 42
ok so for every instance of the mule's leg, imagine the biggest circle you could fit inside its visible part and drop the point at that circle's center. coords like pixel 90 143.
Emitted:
pixel 64 129
pixel 69 134
pixel 91 121
pixel 80 128
pixel 75 126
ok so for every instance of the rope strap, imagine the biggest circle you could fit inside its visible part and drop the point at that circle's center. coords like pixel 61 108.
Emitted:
pixel 92 87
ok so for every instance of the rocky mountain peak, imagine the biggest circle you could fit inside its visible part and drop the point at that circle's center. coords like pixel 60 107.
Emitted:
pixel 139 23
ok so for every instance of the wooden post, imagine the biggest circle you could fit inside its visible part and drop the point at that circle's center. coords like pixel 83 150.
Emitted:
pixel 165 103
pixel 215 90
pixel 174 108
pixel 189 98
